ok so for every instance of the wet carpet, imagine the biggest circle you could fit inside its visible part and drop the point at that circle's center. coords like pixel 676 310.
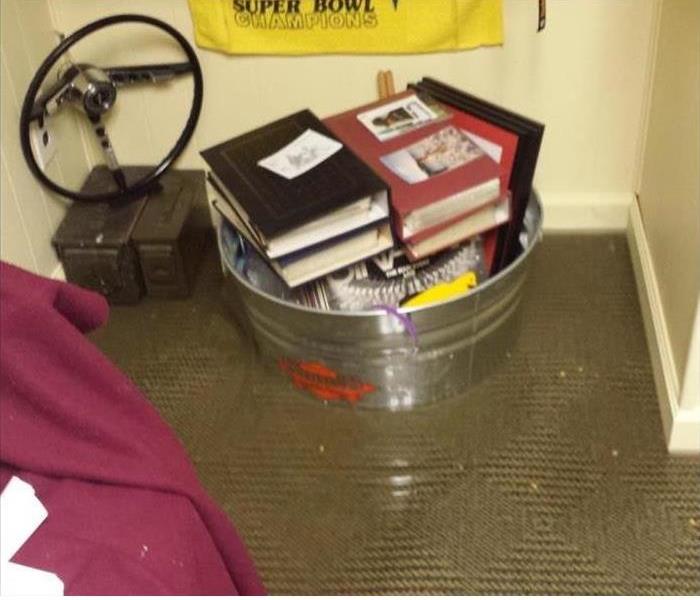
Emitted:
pixel 549 477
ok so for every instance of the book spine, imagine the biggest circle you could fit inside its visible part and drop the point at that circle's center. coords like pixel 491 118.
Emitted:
pixel 474 224
pixel 443 210
pixel 231 203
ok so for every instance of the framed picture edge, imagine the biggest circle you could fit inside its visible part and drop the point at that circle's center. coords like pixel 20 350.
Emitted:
pixel 529 134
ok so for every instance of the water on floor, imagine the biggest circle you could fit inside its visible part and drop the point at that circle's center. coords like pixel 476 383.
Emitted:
pixel 550 477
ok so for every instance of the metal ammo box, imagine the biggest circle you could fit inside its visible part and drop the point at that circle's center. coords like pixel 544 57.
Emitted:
pixel 171 233
pixel 151 244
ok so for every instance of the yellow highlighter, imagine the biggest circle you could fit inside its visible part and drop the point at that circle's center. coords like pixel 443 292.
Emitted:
pixel 442 291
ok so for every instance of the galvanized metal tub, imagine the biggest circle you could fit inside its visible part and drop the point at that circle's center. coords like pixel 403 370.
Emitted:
pixel 368 359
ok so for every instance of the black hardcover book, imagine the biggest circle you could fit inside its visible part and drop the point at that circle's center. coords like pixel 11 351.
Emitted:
pixel 274 204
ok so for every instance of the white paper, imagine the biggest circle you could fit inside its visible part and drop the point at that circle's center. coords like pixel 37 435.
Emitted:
pixel 21 513
pixel 392 119
pixel 303 154
pixel 18 580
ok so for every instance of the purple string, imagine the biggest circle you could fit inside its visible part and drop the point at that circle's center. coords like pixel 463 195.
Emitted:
pixel 406 321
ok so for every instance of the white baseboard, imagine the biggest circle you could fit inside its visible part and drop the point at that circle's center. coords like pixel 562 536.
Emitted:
pixel 588 212
pixel 681 425
pixel 58 273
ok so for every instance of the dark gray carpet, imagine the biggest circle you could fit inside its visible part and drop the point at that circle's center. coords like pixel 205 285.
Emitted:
pixel 551 477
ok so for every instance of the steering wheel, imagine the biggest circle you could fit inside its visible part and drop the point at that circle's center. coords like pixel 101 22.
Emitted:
pixel 93 91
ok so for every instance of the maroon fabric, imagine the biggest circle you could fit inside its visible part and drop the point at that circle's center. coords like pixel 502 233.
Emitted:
pixel 127 514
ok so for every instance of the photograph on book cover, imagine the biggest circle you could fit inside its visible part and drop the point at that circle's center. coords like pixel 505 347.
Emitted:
pixel 396 118
pixel 438 153
pixel 521 153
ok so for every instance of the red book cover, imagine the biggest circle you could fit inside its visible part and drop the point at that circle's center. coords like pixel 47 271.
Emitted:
pixel 407 196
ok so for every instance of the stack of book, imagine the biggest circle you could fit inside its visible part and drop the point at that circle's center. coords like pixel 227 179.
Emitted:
pixel 447 171
pixel 433 166
pixel 300 197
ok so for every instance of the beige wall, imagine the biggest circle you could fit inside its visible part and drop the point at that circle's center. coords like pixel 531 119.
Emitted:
pixel 584 77
pixel 670 185
pixel 29 215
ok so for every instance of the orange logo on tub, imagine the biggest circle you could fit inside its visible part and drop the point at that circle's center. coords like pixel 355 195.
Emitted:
pixel 323 382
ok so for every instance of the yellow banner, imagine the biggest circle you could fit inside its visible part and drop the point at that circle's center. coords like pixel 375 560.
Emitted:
pixel 345 26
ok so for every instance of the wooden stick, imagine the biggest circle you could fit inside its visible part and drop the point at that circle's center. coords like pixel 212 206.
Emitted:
pixel 381 85
pixel 389 78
